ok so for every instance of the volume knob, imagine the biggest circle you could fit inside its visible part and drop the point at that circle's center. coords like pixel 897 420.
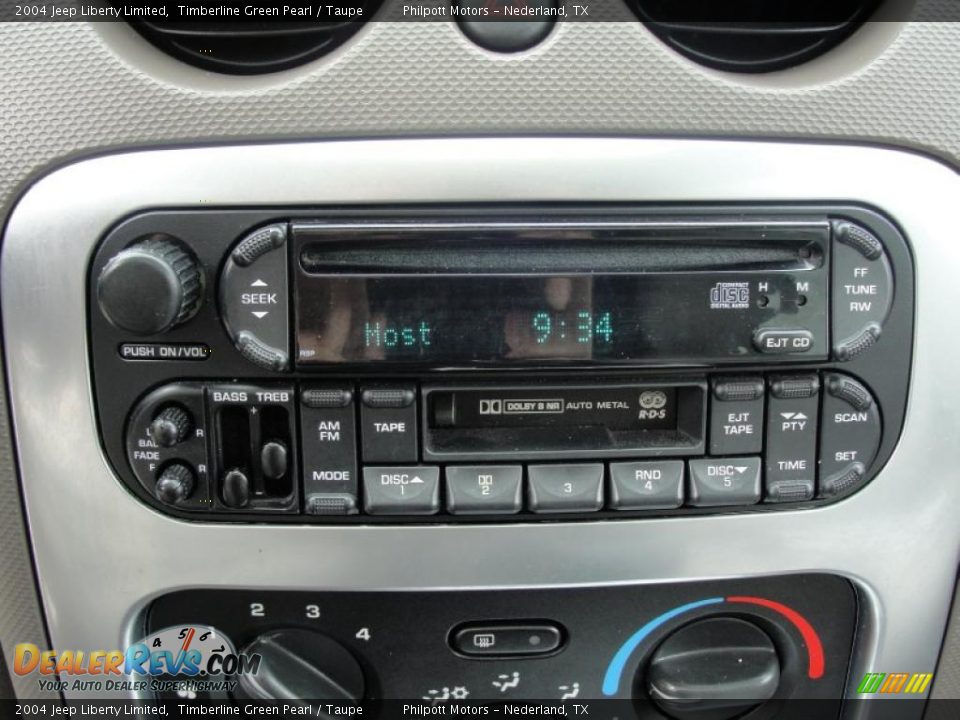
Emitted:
pixel 151 286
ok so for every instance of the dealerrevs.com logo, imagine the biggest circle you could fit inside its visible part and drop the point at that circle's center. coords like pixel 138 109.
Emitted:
pixel 179 659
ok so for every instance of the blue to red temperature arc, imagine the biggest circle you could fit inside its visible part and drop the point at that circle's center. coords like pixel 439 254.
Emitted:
pixel 815 659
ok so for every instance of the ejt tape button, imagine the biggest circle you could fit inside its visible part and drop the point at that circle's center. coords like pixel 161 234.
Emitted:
pixel 736 416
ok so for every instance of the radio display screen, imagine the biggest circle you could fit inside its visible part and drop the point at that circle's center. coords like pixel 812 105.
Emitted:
pixel 468 320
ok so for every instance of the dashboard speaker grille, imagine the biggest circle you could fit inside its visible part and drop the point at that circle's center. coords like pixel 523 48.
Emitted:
pixel 239 47
pixel 753 36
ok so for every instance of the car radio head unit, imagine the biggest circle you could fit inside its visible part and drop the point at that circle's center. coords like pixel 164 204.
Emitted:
pixel 485 364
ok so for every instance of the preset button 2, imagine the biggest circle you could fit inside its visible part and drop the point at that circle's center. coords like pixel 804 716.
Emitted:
pixel 477 489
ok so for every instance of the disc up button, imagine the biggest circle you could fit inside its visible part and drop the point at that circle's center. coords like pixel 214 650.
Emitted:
pixel 402 490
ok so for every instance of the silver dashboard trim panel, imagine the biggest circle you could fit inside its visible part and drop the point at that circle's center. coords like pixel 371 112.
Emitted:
pixel 102 555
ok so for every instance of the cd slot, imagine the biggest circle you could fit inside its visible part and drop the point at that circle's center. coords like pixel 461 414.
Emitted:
pixel 548 249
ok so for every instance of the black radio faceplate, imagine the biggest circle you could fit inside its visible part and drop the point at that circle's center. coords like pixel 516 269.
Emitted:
pixel 433 365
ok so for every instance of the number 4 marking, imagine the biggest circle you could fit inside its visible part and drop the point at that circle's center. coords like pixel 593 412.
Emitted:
pixel 363 634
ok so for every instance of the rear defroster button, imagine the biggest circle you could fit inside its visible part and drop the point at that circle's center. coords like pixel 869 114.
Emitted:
pixel 514 639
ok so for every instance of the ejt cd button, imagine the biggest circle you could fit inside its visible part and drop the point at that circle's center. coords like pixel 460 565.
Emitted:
pixel 492 640
pixel 402 490
pixel 780 342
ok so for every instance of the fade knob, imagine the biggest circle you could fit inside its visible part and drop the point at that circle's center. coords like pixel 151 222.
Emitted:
pixel 151 286
pixel 175 484
pixel 171 426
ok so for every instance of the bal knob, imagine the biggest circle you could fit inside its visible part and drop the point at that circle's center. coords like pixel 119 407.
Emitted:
pixel 171 426
pixel 151 286
pixel 303 665
pixel 175 484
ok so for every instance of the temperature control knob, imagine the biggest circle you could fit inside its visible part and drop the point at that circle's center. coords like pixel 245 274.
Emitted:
pixel 713 669
pixel 301 664
pixel 150 287
pixel 175 484
pixel 171 426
